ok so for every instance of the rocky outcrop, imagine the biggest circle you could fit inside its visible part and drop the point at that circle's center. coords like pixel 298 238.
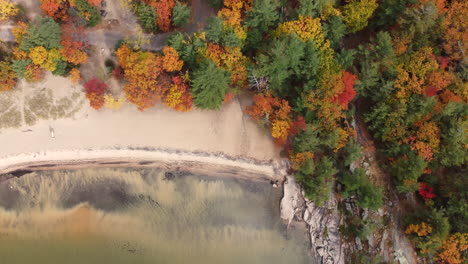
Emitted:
pixel 322 222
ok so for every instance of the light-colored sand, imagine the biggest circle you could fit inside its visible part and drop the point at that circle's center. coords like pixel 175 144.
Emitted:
pixel 227 131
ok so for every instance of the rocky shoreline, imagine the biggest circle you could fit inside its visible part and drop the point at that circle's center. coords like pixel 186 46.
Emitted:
pixel 329 245
pixel 322 222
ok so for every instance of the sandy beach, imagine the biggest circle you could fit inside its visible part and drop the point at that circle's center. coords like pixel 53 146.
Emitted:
pixel 221 138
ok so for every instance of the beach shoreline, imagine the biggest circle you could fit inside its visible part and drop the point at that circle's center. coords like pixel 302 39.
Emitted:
pixel 206 163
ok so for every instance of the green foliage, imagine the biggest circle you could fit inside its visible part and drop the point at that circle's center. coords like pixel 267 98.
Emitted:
pixel 353 152
pixel 312 8
pixel 454 126
pixel 383 47
pixel 209 85
pixel 407 170
pixel 180 14
pixel 319 184
pixel 314 139
pixel 214 29
pixel 217 33
pixel 44 32
pixel 146 16
pixel 61 69
pixel 216 3
pixel 357 227
pixel 377 68
pixel 19 67
pixel 357 184
pixel 335 30
pixel 186 48
pixel 88 12
pixel 454 194
pixel 263 16
pixel 440 229
pixel 346 58
pixel 389 10
pixel 282 60
pixel 418 21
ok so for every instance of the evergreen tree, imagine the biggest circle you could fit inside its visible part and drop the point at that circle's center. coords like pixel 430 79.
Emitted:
pixel 180 14
pixel 209 86
pixel 281 61
pixel 214 29
pixel 335 30
pixel 44 32
pixel 262 16
pixel 146 17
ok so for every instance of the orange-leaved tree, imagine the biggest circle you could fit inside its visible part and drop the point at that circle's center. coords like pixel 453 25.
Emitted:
pixel 454 249
pixel 163 10
pixel 272 112
pixel 149 80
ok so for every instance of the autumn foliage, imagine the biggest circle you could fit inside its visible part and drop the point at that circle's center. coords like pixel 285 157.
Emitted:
pixel 95 90
pixel 7 9
pixel 348 92
pixel 7 76
pixel 274 113
pixel 422 229
pixel 425 191
pixel 179 97
pixel 75 75
pixel 149 79
pixel 455 24
pixel 59 10
pixel 163 13
pixel 454 249
pixel 231 59
pixel 56 9
pixel 49 48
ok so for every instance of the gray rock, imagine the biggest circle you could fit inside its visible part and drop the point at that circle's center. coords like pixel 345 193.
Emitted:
pixel 358 243
pixel 320 251
pixel 348 207
pixel 380 212
pixel 365 214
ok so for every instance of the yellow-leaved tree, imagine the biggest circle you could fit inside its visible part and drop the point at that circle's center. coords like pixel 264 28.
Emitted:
pixel 7 9
pixel 357 13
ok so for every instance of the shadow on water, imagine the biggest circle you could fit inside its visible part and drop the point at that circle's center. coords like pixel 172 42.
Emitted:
pixel 142 216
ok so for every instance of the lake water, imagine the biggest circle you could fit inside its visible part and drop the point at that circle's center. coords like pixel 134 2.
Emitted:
pixel 138 216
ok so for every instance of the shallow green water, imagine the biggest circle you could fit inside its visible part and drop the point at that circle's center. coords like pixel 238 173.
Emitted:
pixel 136 216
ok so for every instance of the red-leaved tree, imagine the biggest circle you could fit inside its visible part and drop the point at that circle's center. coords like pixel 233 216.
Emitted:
pixel 95 90
pixel 348 93
pixel 425 191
